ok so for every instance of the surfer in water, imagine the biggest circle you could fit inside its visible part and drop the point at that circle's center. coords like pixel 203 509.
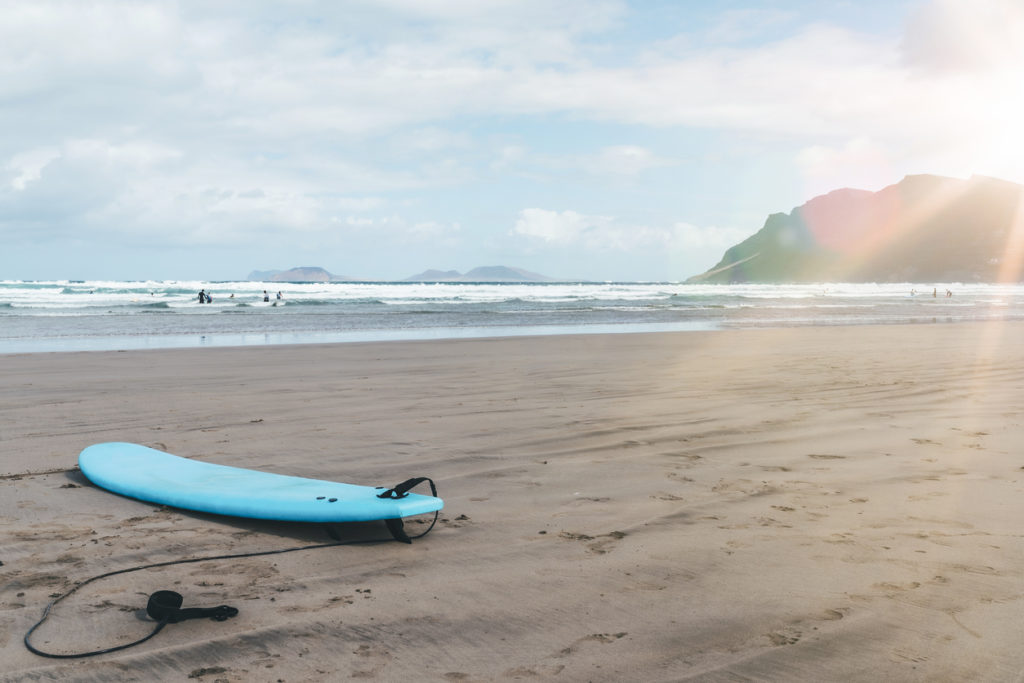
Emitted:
pixel 202 296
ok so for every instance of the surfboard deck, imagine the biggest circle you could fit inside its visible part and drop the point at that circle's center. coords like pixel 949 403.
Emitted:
pixel 154 476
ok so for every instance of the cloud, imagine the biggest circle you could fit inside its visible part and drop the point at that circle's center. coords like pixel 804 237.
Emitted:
pixel 27 167
pixel 739 25
pixel 625 160
pixel 604 233
pixel 433 139
pixel 508 156
pixel 394 64
pixel 244 73
pixel 951 36
pixel 435 232
pixel 612 161
pixel 141 192
pixel 553 227
pixel 811 82
pixel 136 154
pixel 684 236
pixel 857 163
pixel 510 33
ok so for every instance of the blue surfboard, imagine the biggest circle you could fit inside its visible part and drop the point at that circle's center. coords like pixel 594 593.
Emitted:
pixel 157 477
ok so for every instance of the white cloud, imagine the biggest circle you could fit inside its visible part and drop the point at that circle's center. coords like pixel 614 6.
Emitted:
pixel 859 163
pixel 354 221
pixel 358 203
pixel 244 75
pixel 685 236
pixel 27 167
pixel 951 35
pixel 603 233
pixel 507 157
pixel 469 59
pixel 821 80
pixel 625 160
pixel 433 139
pixel 57 48
pixel 738 25
pixel 236 72
pixel 511 32
pixel 434 230
pixel 612 161
pixel 137 154
pixel 560 228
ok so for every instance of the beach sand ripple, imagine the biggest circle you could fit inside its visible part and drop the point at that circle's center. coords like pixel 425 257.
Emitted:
pixel 794 505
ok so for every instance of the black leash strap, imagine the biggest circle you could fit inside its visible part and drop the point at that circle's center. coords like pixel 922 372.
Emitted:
pixel 402 490
pixel 164 607
pixel 396 526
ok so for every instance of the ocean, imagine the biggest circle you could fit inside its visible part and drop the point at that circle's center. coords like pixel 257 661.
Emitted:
pixel 68 315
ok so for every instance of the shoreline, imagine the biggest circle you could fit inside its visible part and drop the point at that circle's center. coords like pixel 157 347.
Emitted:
pixel 158 342
pixel 800 503
pixel 299 338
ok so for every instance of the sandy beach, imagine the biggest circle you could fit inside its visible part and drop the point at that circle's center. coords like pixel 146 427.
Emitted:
pixel 788 504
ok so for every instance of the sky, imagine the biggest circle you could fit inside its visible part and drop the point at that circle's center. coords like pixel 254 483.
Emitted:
pixel 590 139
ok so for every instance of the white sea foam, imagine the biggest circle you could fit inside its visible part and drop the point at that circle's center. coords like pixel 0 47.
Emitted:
pixel 115 314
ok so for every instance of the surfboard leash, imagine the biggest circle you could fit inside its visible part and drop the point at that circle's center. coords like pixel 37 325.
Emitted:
pixel 396 526
pixel 164 606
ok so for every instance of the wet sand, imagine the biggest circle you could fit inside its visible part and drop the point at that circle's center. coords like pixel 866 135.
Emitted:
pixel 800 504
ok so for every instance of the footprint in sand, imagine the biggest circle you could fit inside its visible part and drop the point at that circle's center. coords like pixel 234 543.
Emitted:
pixel 771 521
pixel 784 637
pixel 595 544
pixel 207 671
pixel 534 672
pixel 598 545
pixel 792 634
pixel 603 638
pixel 890 587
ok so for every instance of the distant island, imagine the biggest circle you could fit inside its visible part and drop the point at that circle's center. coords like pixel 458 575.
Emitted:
pixel 925 228
pixel 301 274
pixel 481 274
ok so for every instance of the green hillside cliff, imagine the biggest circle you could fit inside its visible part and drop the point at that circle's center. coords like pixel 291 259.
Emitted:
pixel 923 229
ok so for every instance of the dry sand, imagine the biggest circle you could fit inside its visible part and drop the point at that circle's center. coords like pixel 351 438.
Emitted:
pixel 792 505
